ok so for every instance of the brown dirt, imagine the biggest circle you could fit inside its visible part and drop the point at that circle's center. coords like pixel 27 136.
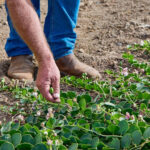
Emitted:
pixel 105 28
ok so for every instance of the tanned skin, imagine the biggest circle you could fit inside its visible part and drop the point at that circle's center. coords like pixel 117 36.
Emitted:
pixel 27 24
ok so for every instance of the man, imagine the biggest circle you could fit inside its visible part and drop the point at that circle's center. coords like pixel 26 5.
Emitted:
pixel 59 35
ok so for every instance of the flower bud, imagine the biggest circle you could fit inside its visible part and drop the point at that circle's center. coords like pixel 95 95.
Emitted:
pixel 49 142
pixel 127 116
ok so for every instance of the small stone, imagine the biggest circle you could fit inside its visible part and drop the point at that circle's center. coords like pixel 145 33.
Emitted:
pixel 5 23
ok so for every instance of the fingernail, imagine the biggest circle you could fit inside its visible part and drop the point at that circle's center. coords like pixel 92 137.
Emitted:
pixel 56 95
pixel 58 101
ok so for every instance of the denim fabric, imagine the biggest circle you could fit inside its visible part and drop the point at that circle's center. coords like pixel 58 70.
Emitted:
pixel 59 27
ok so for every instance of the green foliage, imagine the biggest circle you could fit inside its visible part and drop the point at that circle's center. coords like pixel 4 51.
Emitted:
pixel 109 115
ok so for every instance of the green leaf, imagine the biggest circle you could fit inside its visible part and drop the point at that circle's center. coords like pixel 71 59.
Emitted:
pixel 40 147
pixel 6 127
pixel 113 128
pixel 51 122
pixel 123 127
pixel 95 142
pixel 108 104
pixel 62 147
pixel 126 141
pixel 38 139
pixel 137 137
pixel 6 137
pixel 24 146
pixel 74 146
pixel 86 136
pixel 23 129
pixel 70 102
pixel 15 126
pixel 87 98
pixel 146 133
pixel 88 113
pixel 143 106
pixel 82 104
pixel 115 144
pixel 30 119
pixel 2 142
pixel 7 146
pixel 16 139
pixel 27 139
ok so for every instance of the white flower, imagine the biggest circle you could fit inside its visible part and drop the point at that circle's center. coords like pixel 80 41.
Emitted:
pixel 125 71
pixel 134 105
pixel 141 118
pixel 45 133
pixel 38 113
pixel 35 94
pixel 20 117
pixel 55 134
pixel 43 124
pixel 50 110
pixel 57 142
pixel 142 43
pixel 128 46
pixel 49 115
pixel 49 142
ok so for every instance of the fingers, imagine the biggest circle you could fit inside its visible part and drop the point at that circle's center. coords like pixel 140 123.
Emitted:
pixel 56 87
pixel 44 90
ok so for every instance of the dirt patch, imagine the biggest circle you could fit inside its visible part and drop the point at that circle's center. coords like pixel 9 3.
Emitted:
pixel 105 28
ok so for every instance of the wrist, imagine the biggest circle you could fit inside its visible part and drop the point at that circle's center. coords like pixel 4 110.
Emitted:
pixel 45 58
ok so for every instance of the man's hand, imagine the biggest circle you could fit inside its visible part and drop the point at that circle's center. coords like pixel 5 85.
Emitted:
pixel 49 76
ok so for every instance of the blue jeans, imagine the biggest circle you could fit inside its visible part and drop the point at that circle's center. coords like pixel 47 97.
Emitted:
pixel 59 27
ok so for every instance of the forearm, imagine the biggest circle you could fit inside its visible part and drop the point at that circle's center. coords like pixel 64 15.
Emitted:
pixel 27 24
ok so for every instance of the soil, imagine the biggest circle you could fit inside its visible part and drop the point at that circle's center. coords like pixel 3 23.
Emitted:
pixel 104 29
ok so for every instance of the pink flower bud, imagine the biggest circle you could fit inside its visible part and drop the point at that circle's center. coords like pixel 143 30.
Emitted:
pixel 49 142
pixel 132 117
pixel 0 123
pixel 127 116
pixel 125 71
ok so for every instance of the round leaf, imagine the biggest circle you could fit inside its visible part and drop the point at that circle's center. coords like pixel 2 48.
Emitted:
pixel 147 133
pixel 126 141
pixel 40 147
pixel 123 127
pixel 16 139
pixel 136 137
pixel 7 146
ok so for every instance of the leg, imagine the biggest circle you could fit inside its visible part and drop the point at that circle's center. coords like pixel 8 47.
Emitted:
pixel 15 46
pixel 21 66
pixel 59 30
pixel 59 26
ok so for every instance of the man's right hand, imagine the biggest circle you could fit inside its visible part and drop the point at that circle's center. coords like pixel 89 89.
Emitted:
pixel 49 76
